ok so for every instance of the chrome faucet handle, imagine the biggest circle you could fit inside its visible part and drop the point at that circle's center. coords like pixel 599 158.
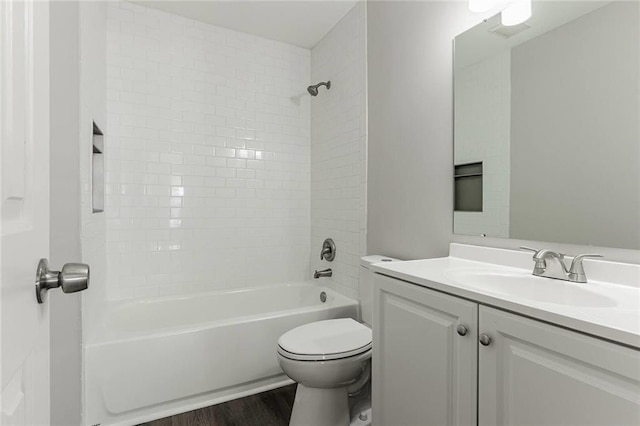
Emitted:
pixel 541 256
pixel 541 264
pixel 576 271
pixel 325 252
pixel 529 249
pixel 328 252
pixel 539 252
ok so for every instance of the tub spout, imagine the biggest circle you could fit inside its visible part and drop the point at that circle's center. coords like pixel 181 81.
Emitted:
pixel 323 273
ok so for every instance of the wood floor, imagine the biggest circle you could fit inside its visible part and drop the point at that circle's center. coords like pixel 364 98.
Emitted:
pixel 271 408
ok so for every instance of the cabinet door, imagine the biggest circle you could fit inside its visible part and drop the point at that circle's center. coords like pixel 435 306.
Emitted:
pixel 424 372
pixel 534 373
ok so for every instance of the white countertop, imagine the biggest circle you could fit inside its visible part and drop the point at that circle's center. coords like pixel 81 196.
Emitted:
pixel 617 320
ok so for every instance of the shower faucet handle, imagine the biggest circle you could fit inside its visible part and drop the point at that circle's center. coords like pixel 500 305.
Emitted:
pixel 328 252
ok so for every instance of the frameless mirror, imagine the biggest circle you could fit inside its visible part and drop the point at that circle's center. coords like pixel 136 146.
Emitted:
pixel 547 126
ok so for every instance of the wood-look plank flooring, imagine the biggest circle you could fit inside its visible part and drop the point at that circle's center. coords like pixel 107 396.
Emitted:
pixel 272 408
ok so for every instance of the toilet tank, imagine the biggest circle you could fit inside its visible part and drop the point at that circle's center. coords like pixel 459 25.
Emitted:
pixel 365 285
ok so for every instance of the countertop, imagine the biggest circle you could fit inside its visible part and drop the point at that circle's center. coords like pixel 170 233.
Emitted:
pixel 619 321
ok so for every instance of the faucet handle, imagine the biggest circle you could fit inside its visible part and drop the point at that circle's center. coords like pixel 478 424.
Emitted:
pixel 541 264
pixel 536 251
pixel 529 249
pixel 576 271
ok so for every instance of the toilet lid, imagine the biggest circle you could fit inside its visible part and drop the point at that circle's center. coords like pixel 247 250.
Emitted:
pixel 329 339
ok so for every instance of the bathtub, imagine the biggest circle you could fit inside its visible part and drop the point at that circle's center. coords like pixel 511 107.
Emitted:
pixel 153 358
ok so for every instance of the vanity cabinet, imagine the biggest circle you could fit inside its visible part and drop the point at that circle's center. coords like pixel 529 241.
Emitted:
pixel 505 370
pixel 424 368
pixel 534 373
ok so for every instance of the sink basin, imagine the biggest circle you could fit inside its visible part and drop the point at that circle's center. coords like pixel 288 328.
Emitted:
pixel 527 286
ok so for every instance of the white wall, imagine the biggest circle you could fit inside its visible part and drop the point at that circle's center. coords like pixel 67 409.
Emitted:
pixel 93 16
pixel 338 150
pixel 482 133
pixel 410 168
pixel 208 166
pixel 65 336
pixel 78 90
pixel 92 109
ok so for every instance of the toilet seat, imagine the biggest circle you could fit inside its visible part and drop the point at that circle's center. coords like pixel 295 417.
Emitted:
pixel 325 340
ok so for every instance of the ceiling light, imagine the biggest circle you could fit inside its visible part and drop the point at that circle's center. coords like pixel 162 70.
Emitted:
pixel 516 13
pixel 482 5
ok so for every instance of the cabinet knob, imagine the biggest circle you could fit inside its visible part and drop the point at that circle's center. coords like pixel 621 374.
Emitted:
pixel 462 330
pixel 484 339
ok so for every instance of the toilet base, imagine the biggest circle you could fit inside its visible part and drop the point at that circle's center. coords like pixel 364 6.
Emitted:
pixel 320 407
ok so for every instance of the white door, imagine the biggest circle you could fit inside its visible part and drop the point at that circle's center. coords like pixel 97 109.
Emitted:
pixel 24 194
pixel 424 356
pixel 532 373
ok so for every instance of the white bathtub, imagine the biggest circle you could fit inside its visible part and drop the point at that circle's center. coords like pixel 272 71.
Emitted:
pixel 154 358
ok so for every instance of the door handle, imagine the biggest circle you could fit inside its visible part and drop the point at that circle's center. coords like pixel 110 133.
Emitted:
pixel 73 277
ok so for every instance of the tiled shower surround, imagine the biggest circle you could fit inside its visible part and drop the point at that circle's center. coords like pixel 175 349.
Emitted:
pixel 210 155
pixel 338 149
pixel 208 168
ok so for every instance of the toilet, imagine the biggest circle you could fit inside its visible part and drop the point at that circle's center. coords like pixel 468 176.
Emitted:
pixel 329 358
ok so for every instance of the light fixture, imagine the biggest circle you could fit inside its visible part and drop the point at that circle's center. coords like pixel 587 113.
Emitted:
pixel 516 13
pixel 482 5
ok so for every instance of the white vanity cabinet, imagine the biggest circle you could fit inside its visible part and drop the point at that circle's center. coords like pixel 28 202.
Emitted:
pixel 533 373
pixel 528 373
pixel 424 368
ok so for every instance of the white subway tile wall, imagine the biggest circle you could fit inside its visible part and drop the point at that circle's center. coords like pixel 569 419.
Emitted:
pixel 208 168
pixel 338 150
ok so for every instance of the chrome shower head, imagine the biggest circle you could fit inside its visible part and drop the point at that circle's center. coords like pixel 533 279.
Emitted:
pixel 313 90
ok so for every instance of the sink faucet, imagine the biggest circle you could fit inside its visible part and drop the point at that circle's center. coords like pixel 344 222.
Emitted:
pixel 550 264
pixel 323 273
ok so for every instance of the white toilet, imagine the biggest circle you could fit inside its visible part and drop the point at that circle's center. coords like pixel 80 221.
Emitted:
pixel 326 357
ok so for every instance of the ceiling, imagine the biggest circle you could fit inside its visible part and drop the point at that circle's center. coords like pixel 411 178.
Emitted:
pixel 302 23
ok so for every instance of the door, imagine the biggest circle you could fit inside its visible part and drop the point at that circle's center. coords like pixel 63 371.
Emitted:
pixel 24 221
pixel 532 373
pixel 424 356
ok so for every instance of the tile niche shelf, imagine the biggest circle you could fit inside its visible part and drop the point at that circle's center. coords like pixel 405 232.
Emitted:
pixel 468 187
pixel 97 170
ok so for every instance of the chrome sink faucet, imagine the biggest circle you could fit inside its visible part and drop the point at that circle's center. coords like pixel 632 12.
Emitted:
pixel 550 264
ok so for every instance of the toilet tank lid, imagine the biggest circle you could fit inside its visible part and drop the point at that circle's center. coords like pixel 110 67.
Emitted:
pixel 366 261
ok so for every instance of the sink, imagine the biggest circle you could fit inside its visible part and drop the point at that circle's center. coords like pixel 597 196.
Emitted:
pixel 526 286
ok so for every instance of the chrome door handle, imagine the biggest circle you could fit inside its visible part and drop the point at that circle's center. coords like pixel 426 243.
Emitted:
pixel 73 277
pixel 462 330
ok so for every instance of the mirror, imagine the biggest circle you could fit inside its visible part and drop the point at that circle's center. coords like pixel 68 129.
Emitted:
pixel 547 133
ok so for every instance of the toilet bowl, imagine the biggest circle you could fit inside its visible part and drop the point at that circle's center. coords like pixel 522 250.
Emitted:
pixel 329 358
pixel 324 357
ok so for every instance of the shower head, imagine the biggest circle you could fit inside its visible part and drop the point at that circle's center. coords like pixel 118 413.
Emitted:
pixel 313 90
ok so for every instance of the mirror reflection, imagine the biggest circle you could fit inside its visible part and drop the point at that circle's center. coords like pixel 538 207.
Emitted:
pixel 547 134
